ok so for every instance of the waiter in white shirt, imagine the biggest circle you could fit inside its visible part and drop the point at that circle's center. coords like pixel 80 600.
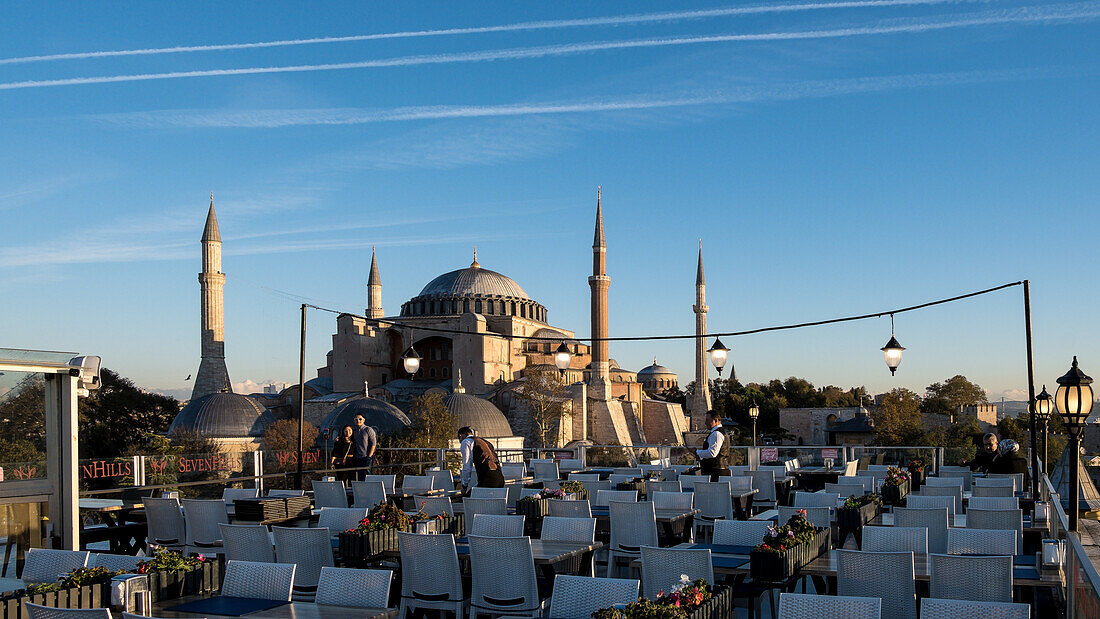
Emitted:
pixel 478 455
pixel 714 459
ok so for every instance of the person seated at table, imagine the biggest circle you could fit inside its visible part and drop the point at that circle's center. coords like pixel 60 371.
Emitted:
pixel 342 453
pixel 478 455
pixel 714 458
pixel 1009 460
pixel 985 455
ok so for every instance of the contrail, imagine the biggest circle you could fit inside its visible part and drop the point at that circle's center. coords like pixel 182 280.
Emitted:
pixel 779 92
pixel 1052 14
pixel 621 20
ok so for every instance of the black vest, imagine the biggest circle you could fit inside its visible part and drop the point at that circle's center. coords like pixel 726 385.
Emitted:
pixel 721 462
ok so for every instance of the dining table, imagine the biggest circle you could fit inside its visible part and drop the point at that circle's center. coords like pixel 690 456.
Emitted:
pixel 291 610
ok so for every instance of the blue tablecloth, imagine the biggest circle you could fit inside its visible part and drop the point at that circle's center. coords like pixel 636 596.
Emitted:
pixel 227 606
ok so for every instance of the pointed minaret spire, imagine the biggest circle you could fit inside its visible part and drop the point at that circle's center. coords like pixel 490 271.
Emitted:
pixel 598 240
pixel 700 398
pixel 700 279
pixel 210 232
pixel 458 388
pixel 474 264
pixel 374 289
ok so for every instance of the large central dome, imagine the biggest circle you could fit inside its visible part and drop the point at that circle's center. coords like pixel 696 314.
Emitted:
pixel 474 281
pixel 474 290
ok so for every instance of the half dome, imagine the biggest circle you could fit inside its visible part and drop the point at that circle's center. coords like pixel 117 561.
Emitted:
pixel 478 413
pixel 385 418
pixel 222 415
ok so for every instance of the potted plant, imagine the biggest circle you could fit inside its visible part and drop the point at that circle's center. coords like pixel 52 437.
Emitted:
pixel 536 506
pixel 856 512
pixel 377 533
pixel 917 474
pixel 787 548
pixel 687 600
pixel 574 488
pixel 172 575
pixel 85 587
pixel 896 486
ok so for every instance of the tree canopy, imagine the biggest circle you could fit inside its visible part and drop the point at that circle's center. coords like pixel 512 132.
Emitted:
pixel 945 398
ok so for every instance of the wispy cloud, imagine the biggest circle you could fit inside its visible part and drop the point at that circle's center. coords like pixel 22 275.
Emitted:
pixel 617 20
pixel 1053 14
pixel 191 119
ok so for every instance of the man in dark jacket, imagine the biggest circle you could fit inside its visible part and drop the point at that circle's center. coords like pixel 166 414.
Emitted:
pixel 478 455
pixel 985 455
pixel 1009 460
pixel 714 458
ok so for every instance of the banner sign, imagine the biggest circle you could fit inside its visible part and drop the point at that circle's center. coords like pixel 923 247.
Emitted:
pixel 830 453
pixel 769 454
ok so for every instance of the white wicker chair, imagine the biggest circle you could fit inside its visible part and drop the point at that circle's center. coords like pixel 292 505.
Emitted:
pixel 802 606
pixel 672 500
pixel 663 568
pixel 165 521
pixel 712 499
pixel 283 493
pixel 367 494
pixel 341 586
pixel 981 542
pixel 495 507
pixel 340 519
pixel 945 481
pixel 43 565
pixel 584 477
pixel 247 542
pixel 35 611
pixel 329 494
pixel 525 492
pixel 595 486
pixel 202 518
pixel 417 484
pixel 999 479
pixel 134 616
pixel 571 509
pixel 740 532
pixel 571 464
pixel 931 608
pixel 967 476
pixel 850 468
pixel 992 491
pixel 662 486
pixel 955 492
pixel 503 577
pixel 845 490
pixel 992 502
pixel 740 484
pixel 513 470
pixel 896 539
pixel 568 529
pixel 603 497
pixel 917 501
pixel 231 494
pixel 434 505
pixel 617 478
pixel 493 525
pixel 389 482
pixel 489 493
pixel 265 581
pixel 580 596
pixel 886 575
pixel 871 482
pixel 309 550
pixel 112 562
pixel 443 479
pixel 934 520
pixel 983 579
pixel 636 471
pixel 764 482
pixel 545 471
pixel 816 499
pixel 818 516
pixel 633 525
pixel 687 482
pixel 430 576
pixel 1000 519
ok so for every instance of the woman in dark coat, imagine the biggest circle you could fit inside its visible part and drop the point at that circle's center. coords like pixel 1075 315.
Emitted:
pixel 343 453
pixel 1009 460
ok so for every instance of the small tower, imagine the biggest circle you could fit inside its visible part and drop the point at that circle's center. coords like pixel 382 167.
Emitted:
pixel 700 399
pixel 374 289
pixel 212 377
pixel 599 383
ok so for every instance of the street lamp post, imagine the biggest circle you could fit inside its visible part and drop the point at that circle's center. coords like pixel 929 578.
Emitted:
pixel 1044 406
pixel 718 355
pixel 1074 402
pixel 411 361
pixel 754 412
pixel 562 358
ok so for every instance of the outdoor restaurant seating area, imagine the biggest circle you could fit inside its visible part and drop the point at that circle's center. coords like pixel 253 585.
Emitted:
pixel 566 540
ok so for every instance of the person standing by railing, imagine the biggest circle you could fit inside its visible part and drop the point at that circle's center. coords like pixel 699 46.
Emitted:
pixel 478 455
pixel 714 459
pixel 343 453
pixel 365 442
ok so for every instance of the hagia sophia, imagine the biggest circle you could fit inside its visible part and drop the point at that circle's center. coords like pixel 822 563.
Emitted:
pixel 480 336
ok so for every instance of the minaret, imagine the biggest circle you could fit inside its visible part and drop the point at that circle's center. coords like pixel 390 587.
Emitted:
pixel 458 388
pixel 599 386
pixel 374 289
pixel 212 376
pixel 700 399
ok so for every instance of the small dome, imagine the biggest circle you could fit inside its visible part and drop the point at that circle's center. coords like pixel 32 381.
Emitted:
pixel 480 414
pixel 385 418
pixel 655 370
pixel 222 415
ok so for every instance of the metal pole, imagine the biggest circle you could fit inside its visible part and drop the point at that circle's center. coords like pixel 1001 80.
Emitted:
pixel 754 432
pixel 1074 482
pixel 1046 428
pixel 301 397
pixel 1031 391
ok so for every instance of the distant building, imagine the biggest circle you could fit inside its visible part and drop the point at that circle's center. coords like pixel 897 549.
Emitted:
pixel 985 414
pixel 810 426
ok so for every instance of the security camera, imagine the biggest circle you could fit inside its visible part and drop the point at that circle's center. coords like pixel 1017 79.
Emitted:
pixel 86 369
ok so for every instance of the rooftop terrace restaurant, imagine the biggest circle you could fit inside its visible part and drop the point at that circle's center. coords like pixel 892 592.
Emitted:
pixel 573 532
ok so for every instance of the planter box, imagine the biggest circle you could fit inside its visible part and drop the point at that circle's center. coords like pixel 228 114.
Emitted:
pixel 355 548
pixel 779 566
pixel 455 525
pixel 894 495
pixel 271 508
pixel 719 606
pixel 852 520
pixel 636 486
pixel 88 596
pixel 917 478
pixel 205 578
pixel 533 510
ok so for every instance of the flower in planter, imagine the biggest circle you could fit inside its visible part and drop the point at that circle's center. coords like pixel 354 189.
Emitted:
pixel 165 560
pixel 572 486
pixel 855 502
pixel 798 530
pixel 895 476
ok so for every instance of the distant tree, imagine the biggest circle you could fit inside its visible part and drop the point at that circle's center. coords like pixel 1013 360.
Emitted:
pixel 118 414
pixel 1015 428
pixel 282 435
pixel 674 394
pixel 945 398
pixel 433 423
pixel 545 397
pixel 13 450
pixel 23 411
pixel 898 418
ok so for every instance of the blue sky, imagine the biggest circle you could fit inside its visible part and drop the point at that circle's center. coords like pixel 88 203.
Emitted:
pixel 835 158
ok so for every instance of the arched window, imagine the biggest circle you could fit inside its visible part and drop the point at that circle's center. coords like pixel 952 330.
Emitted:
pixel 477 306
